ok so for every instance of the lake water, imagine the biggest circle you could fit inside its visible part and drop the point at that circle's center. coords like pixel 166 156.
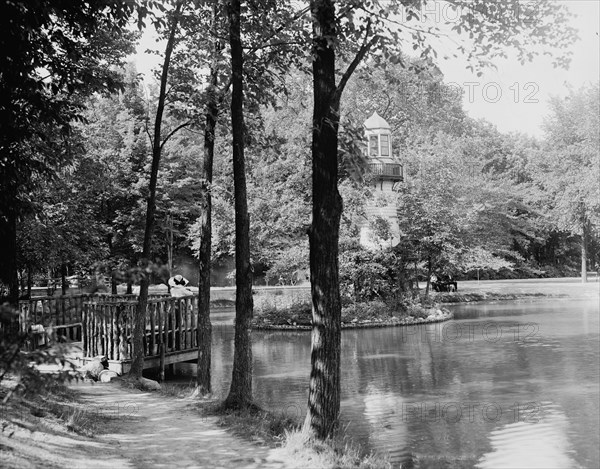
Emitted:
pixel 501 385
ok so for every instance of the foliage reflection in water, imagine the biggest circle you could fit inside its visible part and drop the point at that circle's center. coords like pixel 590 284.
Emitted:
pixel 502 385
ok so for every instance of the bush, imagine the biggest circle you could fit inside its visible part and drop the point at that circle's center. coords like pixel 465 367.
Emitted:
pixel 297 312
pixel 21 365
pixel 367 275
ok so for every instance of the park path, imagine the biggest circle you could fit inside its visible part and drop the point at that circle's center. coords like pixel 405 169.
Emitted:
pixel 149 430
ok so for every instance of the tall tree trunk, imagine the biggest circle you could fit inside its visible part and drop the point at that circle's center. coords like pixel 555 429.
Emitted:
pixel 203 379
pixel 139 320
pixel 240 393
pixel 9 280
pixel 584 242
pixel 170 244
pixel 325 383
pixel 63 279
pixel 429 269
pixel 29 280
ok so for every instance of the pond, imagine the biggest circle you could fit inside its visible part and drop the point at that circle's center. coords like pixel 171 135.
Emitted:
pixel 501 385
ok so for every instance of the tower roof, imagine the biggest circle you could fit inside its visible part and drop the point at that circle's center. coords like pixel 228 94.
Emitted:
pixel 376 122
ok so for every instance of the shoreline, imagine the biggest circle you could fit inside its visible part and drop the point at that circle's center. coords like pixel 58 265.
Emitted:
pixel 441 315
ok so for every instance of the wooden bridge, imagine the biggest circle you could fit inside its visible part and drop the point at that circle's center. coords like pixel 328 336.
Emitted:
pixel 103 324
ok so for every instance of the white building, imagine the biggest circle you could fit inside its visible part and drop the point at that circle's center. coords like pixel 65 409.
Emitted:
pixel 386 173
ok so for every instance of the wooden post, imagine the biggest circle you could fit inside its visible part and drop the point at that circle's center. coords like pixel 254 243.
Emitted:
pixel 186 323
pixel 162 361
pixel 84 335
pixel 180 303
pixel 105 336
pixel 153 307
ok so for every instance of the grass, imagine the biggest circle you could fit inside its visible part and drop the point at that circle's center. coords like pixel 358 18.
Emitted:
pixel 338 452
pixel 282 431
pixel 298 312
pixel 457 297
pixel 254 424
pixel 177 390
pixel 57 408
pixel 222 303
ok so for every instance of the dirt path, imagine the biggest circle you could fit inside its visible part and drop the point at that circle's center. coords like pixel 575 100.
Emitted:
pixel 152 431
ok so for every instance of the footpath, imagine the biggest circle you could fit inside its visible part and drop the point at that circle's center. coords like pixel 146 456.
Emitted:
pixel 132 429
pixel 151 430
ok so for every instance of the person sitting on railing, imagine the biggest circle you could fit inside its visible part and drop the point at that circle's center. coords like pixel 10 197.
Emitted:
pixel 177 286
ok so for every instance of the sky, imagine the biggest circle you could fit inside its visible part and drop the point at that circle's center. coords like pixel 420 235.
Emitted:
pixel 522 91
pixel 514 97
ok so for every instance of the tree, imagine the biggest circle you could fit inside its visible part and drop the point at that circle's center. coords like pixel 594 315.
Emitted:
pixel 53 55
pixel 352 31
pixel 158 141
pixel 567 170
pixel 455 216
pixel 240 393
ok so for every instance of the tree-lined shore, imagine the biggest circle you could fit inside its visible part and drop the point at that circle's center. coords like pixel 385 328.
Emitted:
pixel 247 149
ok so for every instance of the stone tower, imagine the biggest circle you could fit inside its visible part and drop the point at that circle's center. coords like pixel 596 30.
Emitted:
pixel 386 173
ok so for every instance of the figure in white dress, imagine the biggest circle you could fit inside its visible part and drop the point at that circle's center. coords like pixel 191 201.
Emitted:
pixel 178 286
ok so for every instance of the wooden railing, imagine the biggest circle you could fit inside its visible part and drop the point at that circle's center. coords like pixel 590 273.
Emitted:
pixel 171 326
pixel 388 170
pixel 64 313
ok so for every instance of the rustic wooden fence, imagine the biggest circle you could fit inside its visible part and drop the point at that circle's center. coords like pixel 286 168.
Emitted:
pixel 64 313
pixel 171 326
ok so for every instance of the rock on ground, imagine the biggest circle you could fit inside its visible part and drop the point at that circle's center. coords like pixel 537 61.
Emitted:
pixel 149 384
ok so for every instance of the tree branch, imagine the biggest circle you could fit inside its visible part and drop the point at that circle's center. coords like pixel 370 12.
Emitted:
pixel 367 44
pixel 296 17
pixel 179 127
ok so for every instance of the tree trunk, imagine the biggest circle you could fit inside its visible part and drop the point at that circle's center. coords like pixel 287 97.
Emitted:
pixel 29 281
pixel 429 269
pixel 139 320
pixel 584 236
pixel 325 383
pixel 170 244
pixel 63 279
pixel 240 393
pixel 203 379
pixel 9 281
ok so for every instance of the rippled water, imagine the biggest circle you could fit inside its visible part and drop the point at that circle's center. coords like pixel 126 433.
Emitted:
pixel 502 385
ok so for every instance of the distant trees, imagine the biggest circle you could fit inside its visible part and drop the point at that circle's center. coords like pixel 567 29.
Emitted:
pixel 157 140
pixel 455 216
pixel 566 169
pixel 354 30
pixel 53 55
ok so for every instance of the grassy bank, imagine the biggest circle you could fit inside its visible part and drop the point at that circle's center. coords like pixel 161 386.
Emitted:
pixel 48 428
pixel 282 431
pixel 296 313
pixel 471 297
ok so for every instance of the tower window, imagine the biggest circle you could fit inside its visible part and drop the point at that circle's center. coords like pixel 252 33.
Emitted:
pixel 385 145
pixel 373 145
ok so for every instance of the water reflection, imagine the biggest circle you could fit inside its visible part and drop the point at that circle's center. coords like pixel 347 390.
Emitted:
pixel 541 444
pixel 504 385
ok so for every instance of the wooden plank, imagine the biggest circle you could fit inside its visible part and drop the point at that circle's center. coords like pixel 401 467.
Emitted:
pixel 122 332
pixel 180 303
pixel 111 333
pixel 169 325
pixel 159 325
pixel 186 324
pixel 84 335
pixel 169 359
pixel 152 330
pixel 104 331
